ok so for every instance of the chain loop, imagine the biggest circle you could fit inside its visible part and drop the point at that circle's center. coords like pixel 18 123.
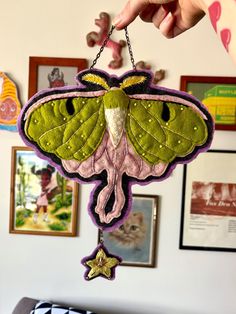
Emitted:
pixel 130 48
pixel 104 45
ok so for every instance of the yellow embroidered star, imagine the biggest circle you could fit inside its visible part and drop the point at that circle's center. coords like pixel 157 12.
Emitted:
pixel 101 263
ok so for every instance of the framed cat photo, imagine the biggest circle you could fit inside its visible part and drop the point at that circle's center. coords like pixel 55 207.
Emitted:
pixel 135 241
pixel 42 201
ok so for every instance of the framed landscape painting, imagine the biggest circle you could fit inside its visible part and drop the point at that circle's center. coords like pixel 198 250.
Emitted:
pixel 42 201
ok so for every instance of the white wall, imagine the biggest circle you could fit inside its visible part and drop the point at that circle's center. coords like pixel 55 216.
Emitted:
pixel 185 282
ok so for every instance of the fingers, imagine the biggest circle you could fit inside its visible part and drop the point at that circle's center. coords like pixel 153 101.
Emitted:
pixel 166 27
pixel 133 8
pixel 148 12
pixel 129 13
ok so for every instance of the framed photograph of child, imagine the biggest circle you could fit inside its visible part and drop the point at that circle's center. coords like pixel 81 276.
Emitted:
pixel 42 201
pixel 135 240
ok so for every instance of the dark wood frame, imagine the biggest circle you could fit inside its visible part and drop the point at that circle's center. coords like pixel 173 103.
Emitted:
pixel 74 210
pixel 182 222
pixel 35 62
pixel 155 225
pixel 184 80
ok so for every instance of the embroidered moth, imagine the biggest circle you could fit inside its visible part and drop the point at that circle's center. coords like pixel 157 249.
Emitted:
pixel 115 131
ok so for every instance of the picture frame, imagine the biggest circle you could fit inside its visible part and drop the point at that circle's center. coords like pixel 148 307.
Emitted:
pixel 135 241
pixel 42 202
pixel 208 219
pixel 218 94
pixel 48 72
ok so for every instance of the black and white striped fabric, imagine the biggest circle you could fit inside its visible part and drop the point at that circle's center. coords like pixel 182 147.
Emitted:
pixel 43 307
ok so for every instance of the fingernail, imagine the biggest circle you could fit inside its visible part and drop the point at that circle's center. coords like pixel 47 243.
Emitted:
pixel 117 20
pixel 167 18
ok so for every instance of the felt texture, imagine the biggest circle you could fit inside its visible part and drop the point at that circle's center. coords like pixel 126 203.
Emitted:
pixel 115 131
pixel 100 264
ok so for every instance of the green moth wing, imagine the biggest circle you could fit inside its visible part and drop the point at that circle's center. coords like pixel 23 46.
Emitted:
pixel 76 130
pixel 157 135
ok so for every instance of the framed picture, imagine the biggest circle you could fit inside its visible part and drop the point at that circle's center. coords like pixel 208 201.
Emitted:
pixel 218 94
pixel 47 72
pixel 208 220
pixel 42 201
pixel 135 240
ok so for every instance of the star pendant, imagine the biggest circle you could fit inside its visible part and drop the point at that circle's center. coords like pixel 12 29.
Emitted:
pixel 100 264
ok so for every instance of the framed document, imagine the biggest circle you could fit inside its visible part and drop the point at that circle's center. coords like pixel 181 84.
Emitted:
pixel 208 220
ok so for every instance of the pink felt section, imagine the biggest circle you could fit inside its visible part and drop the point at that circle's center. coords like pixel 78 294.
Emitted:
pixel 116 161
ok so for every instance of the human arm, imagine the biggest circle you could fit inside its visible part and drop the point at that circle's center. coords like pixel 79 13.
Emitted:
pixel 174 17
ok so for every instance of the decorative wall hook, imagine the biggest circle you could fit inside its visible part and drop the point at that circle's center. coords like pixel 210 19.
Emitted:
pixel 158 75
pixel 97 38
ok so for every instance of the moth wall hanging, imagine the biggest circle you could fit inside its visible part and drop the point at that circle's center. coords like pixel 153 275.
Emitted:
pixel 114 132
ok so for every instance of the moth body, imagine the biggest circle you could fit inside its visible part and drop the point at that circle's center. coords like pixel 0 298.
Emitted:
pixel 115 103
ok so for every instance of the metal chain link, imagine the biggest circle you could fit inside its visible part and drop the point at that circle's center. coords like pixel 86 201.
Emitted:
pixel 130 48
pixel 104 45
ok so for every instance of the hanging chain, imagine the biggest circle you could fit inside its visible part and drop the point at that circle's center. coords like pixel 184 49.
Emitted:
pixel 102 47
pixel 105 43
pixel 101 236
pixel 130 48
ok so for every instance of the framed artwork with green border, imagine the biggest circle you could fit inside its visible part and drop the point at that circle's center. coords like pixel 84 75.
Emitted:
pixel 218 94
pixel 42 201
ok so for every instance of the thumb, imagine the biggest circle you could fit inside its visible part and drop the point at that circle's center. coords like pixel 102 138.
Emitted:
pixel 131 10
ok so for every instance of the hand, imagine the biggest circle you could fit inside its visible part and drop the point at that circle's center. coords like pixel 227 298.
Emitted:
pixel 172 17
